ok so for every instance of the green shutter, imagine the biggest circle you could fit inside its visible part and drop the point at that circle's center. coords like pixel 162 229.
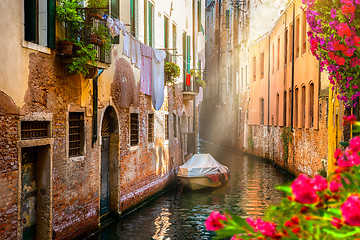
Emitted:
pixel 132 17
pixel 115 14
pixel 227 18
pixel 184 55
pixel 150 22
pixel 188 56
pixel 51 23
pixel 30 9
pixel 199 15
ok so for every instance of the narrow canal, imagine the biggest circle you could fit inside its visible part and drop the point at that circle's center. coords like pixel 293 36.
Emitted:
pixel 180 214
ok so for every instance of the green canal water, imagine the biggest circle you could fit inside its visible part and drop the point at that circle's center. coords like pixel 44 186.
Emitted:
pixel 180 214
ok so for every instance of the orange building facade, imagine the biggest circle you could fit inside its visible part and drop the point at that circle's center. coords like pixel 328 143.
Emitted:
pixel 288 94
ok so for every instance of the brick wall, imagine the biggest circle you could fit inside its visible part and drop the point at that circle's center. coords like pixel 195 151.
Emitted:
pixel 9 116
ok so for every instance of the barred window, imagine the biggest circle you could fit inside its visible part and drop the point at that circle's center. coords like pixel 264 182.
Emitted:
pixel 166 127
pixel 134 129
pixel 35 129
pixel 76 134
pixel 151 128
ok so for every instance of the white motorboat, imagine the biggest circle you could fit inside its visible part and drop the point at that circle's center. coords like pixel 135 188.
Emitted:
pixel 203 171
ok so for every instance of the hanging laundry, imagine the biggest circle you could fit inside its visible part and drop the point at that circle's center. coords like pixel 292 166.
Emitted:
pixel 126 45
pixel 132 50
pixel 157 83
pixel 138 55
pixel 145 75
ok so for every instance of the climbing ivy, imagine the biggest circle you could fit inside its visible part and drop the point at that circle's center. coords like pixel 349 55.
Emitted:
pixel 286 137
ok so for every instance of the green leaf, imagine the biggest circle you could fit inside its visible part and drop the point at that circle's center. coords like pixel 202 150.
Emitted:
pixel 344 144
pixel 285 189
pixel 341 235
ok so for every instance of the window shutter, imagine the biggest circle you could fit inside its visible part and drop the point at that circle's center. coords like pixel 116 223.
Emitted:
pixel 150 15
pixel 115 14
pixel 30 10
pixel 51 23
pixel 199 15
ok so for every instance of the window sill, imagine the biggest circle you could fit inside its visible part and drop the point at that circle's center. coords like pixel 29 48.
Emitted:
pixel 77 158
pixel 134 148
pixel 36 47
pixel 151 145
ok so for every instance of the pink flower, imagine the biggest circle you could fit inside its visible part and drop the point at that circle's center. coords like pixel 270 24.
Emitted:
pixel 266 228
pixel 335 184
pixel 305 188
pixel 355 144
pixel 336 222
pixel 349 119
pixel 344 30
pixel 337 153
pixel 212 223
pixel 351 210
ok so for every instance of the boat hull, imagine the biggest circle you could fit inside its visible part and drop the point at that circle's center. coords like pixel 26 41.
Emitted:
pixel 197 183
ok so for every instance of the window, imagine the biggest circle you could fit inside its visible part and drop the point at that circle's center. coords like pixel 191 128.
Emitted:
pixel 303 112
pixel 284 109
pixel 150 128
pixel 134 129
pixel 303 34
pixel 277 109
pixel 254 69
pixel 134 17
pixel 278 54
pixel 199 15
pixel 35 129
pixel 175 125
pixel 297 38
pixel 262 67
pixel 311 105
pixel 246 75
pixel 291 42
pixel 227 19
pixel 286 47
pixel 174 42
pixel 273 59
pixel 262 108
pixel 290 104
pixel 166 32
pixel 242 80
pixel 149 23
pixel 296 108
pixel 76 134
pixel 115 13
pixel 40 22
pixel 166 127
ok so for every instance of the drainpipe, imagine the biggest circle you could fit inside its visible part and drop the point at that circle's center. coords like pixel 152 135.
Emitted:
pixel 95 107
pixel 219 50
pixel 292 70
pixel 268 125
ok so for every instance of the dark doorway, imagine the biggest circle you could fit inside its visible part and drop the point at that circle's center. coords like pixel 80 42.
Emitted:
pixel 109 161
pixel 35 192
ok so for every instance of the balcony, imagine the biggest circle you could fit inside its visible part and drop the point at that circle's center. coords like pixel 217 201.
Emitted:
pixel 90 42
pixel 190 89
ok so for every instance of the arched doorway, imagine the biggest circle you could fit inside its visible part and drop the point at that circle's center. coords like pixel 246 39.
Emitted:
pixel 109 160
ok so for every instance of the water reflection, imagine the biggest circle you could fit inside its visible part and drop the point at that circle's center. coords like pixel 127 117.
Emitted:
pixel 180 214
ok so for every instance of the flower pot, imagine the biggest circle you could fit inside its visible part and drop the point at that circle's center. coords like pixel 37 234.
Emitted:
pixel 93 39
pixel 65 47
pixel 100 42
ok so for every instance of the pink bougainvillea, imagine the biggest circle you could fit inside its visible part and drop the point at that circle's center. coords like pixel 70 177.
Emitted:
pixel 305 188
pixel 212 223
pixel 335 42
pixel 351 210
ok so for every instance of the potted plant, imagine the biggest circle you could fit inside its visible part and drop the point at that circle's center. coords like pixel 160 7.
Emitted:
pixel 198 78
pixel 96 7
pixel 67 12
pixel 172 71
pixel 84 61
